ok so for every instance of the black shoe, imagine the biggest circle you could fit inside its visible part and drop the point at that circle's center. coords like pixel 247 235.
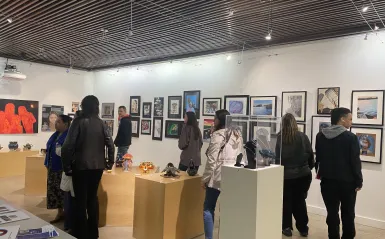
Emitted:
pixel 304 234
pixel 287 232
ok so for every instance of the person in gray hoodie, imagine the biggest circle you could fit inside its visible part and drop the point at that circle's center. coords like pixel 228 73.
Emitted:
pixel 339 168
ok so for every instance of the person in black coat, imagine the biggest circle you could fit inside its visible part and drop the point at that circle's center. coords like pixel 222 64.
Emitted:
pixel 339 167
pixel 123 138
pixel 296 154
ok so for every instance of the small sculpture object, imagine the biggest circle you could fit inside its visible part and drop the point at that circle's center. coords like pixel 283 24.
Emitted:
pixel 192 171
pixel 170 171
pixel 268 157
pixel 1 147
pixel 127 162
pixel 27 147
pixel 43 151
pixel 146 167
pixel 250 148
pixel 13 146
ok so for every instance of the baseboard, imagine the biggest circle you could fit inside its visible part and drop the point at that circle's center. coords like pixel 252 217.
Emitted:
pixel 359 219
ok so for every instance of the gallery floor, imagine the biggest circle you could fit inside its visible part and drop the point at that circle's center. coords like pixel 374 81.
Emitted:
pixel 12 189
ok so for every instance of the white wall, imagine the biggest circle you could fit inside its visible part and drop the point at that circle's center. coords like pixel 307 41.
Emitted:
pixel 350 63
pixel 48 85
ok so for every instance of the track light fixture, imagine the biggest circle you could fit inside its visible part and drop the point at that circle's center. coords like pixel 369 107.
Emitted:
pixel 376 28
pixel 231 12
pixel 9 20
pixel 228 57
pixel 269 23
pixel 365 8
pixel 268 36
pixel 366 37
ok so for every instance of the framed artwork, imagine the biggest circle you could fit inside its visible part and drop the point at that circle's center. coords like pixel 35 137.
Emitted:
pixel 75 107
pixel 370 141
pixel 368 107
pixel 157 131
pixel 108 110
pixel 263 106
pixel 237 104
pixel 294 102
pixel 19 116
pixel 207 125
pixel 327 99
pixel 147 109
pixel 242 127
pixel 135 126
pixel 173 128
pixel 317 124
pixel 174 107
pixel 301 128
pixel 192 102
pixel 146 127
pixel 135 105
pixel 110 126
pixel 49 115
pixel 263 129
pixel 211 105
pixel 158 106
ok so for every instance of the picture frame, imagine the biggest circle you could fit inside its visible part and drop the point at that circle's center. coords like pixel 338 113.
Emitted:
pixel 302 127
pixel 243 127
pixel 328 98
pixel 135 121
pixel 211 105
pixel 173 128
pixel 157 128
pixel 147 110
pixel 174 110
pixel 192 102
pixel 269 127
pixel 370 141
pixel 109 126
pixel 263 106
pixel 24 113
pixel 135 105
pixel 49 115
pixel 145 127
pixel 158 106
pixel 237 104
pixel 294 102
pixel 108 110
pixel 207 125
pixel 318 122
pixel 367 107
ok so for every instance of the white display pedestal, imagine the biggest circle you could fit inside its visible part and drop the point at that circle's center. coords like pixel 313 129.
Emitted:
pixel 251 203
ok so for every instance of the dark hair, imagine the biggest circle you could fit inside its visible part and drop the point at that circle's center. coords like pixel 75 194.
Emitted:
pixel 78 113
pixel 221 116
pixel 123 107
pixel 66 119
pixel 90 106
pixel 338 113
pixel 289 128
pixel 192 120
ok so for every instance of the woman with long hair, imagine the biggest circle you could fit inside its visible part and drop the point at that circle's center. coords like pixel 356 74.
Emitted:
pixel 190 142
pixel 225 146
pixel 296 154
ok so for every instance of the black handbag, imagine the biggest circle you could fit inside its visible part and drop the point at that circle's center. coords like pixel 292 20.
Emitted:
pixel 192 171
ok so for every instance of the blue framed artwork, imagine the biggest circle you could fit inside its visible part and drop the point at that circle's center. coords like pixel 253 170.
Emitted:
pixel 192 102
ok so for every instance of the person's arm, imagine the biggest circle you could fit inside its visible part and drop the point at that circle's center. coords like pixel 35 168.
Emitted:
pixel 212 156
pixel 278 150
pixel 355 163
pixel 309 152
pixel 110 148
pixel 129 130
pixel 183 138
pixel 317 157
pixel 118 135
pixel 68 148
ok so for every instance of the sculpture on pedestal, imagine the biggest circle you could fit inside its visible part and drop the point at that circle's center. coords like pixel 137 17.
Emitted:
pixel 127 162
pixel 27 147
pixel 146 166
pixel 13 146
pixel 170 171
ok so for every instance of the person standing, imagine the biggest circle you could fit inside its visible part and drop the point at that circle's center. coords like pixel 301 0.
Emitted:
pixel 190 142
pixel 296 155
pixel 123 138
pixel 83 157
pixel 339 168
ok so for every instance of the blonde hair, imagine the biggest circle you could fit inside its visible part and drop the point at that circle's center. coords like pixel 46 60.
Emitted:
pixel 289 128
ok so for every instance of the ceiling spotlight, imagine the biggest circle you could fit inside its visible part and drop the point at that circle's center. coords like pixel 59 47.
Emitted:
pixel 9 20
pixel 366 37
pixel 231 12
pixel 130 33
pixel 228 57
pixel 376 28
pixel 365 8
pixel 268 37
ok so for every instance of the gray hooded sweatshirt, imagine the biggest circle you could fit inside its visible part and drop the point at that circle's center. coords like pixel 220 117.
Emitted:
pixel 333 131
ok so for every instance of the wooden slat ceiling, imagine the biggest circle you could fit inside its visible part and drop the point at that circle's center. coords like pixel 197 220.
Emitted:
pixel 69 32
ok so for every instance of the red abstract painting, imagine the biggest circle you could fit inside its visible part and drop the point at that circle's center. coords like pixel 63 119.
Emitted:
pixel 18 116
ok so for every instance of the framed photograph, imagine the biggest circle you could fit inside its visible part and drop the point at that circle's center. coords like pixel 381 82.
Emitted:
pixel 370 141
pixel 173 128
pixel 207 125
pixel 301 127
pixel 317 124
pixel 146 127
pixel 135 105
pixel 110 126
pixel 22 116
pixel 75 107
pixel 242 127
pixel 147 109
pixel 211 105
pixel 237 104
pixel 157 131
pixel 158 106
pixel 192 102
pixel 327 100
pixel 135 126
pixel 263 106
pixel 174 107
pixel 368 107
pixel 294 102
pixel 259 129
pixel 108 110
pixel 49 115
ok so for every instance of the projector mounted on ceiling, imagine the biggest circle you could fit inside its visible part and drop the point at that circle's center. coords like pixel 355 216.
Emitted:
pixel 11 73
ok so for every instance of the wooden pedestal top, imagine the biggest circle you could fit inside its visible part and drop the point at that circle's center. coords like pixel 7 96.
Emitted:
pixel 156 177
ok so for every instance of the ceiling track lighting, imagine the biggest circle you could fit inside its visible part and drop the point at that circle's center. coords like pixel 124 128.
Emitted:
pixel 268 36
pixel 9 20
pixel 231 12
pixel 228 57
pixel 365 8
pixel 269 23
pixel 376 28
pixel 366 37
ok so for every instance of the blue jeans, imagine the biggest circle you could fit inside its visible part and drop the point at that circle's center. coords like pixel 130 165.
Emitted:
pixel 212 195
pixel 121 152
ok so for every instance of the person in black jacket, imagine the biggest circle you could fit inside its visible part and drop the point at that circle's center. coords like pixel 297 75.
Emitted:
pixel 123 138
pixel 339 167
pixel 296 154
pixel 83 157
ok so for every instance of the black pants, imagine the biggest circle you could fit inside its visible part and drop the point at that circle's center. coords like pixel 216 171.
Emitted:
pixel 294 203
pixel 184 168
pixel 86 206
pixel 336 193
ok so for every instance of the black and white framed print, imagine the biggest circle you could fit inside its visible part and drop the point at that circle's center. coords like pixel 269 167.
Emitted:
pixel 263 106
pixel 173 128
pixel 146 127
pixel 318 123
pixel 174 107
pixel 370 141
pixel 327 100
pixel 301 127
pixel 158 106
pixel 241 126
pixel 135 121
pixel 108 110
pixel 157 131
pixel 135 105
pixel 211 105
pixel 147 110
pixel 294 102
pixel 192 102
pixel 237 104
pixel 368 107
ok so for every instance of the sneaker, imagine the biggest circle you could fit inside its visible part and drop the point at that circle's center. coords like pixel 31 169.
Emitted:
pixel 287 232
pixel 304 234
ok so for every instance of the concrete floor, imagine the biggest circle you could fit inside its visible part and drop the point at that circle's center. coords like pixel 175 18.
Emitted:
pixel 12 190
